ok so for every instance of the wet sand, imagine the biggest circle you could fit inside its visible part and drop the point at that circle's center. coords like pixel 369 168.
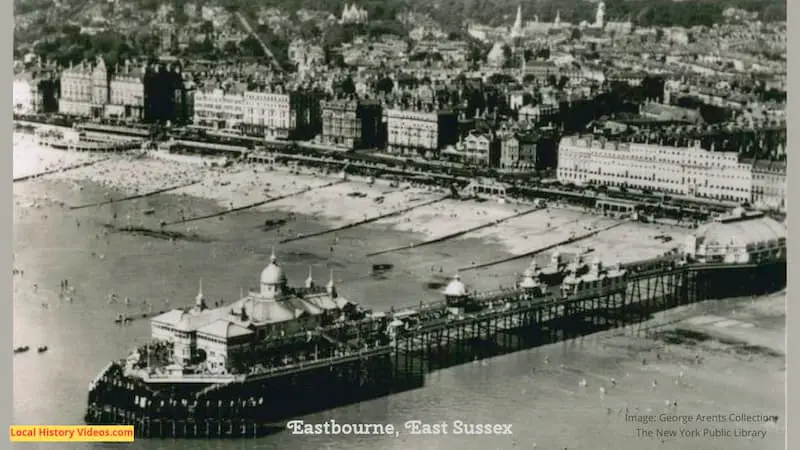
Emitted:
pixel 538 391
pixel 355 200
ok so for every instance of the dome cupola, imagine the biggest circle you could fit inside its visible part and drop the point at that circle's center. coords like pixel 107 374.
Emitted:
pixel 273 280
pixel 528 280
pixel 455 288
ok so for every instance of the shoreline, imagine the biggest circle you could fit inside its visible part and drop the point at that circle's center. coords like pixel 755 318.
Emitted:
pixel 356 199
pixel 568 415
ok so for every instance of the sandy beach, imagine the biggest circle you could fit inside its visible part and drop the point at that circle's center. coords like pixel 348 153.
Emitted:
pixel 720 357
pixel 29 158
pixel 354 200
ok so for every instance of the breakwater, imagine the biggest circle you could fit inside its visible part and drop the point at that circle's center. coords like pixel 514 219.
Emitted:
pixel 137 196
pixel 568 241
pixel 253 205
pixel 59 170
pixel 364 221
pixel 457 234
pixel 159 234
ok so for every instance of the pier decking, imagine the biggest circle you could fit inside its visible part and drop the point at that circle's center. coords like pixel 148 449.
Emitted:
pixel 505 320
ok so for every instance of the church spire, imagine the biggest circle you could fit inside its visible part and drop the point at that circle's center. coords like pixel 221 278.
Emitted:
pixel 516 30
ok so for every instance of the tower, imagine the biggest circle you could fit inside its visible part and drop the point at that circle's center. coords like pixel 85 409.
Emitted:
pixel 310 280
pixel 200 300
pixel 516 29
pixel 600 15
pixel 331 287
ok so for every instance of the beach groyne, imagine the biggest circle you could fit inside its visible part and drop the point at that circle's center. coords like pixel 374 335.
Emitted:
pixel 457 233
pixel 160 234
pixel 59 170
pixel 137 196
pixel 539 250
pixel 365 221
pixel 252 205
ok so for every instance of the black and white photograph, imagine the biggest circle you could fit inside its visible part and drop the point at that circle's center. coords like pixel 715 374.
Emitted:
pixel 400 224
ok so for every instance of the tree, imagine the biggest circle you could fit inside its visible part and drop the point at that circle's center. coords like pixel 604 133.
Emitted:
pixel 207 28
pixel 348 86
pixel 476 54
pixel 230 49
pixel 250 46
pixel 385 84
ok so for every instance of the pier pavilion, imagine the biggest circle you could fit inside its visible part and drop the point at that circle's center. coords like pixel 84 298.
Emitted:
pixel 741 237
pixel 207 336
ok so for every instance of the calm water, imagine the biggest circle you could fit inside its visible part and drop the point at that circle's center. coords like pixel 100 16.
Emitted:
pixel 540 398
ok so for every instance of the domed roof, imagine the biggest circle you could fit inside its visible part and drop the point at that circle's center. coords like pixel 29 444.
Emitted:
pixel 271 312
pixel 749 231
pixel 528 282
pixel 225 329
pixel 456 288
pixel 273 274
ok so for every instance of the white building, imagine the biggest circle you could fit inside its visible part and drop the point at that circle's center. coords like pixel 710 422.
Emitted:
pixel 682 171
pixel 213 335
pixel 268 112
pixel 23 97
pixel 741 238
pixel 411 131
pixel 479 149
pixel 96 91
pixel 126 94
pixel 218 108
pixel 353 14
pixel 76 90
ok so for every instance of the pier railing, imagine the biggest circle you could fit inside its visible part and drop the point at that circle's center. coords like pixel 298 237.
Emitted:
pixel 191 378
pixel 513 325
pixel 321 362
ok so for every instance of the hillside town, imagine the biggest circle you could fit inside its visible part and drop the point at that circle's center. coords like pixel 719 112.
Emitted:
pixel 602 101
pixel 545 212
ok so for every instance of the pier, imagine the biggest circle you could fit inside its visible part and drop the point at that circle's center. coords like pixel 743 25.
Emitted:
pixel 456 234
pixel 428 339
pixel 364 221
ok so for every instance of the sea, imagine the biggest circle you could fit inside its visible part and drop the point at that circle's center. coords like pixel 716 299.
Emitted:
pixel 539 392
